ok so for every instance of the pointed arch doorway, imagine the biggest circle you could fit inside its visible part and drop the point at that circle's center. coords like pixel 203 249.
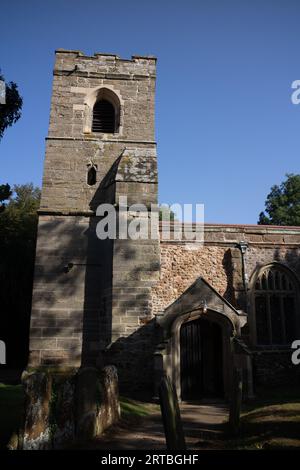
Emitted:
pixel 201 360
pixel 197 351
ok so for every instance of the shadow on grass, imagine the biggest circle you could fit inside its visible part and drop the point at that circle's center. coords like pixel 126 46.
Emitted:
pixel 271 421
pixel 271 396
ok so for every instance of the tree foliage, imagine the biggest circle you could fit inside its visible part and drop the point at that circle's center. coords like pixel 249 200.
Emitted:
pixel 166 214
pixel 10 112
pixel 5 193
pixel 283 203
pixel 18 228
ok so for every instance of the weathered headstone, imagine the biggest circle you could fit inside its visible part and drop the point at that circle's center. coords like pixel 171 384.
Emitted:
pixel 62 416
pixel 171 415
pixel 62 407
pixel 86 407
pixel 97 401
pixel 108 410
pixel 36 432
pixel 236 401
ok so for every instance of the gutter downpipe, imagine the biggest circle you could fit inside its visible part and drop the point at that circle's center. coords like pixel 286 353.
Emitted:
pixel 243 246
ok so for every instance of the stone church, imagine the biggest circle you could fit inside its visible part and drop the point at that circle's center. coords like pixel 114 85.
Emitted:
pixel 152 306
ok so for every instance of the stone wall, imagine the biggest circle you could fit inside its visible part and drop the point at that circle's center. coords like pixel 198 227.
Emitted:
pixel 71 306
pixel 76 75
pixel 219 260
pixel 182 264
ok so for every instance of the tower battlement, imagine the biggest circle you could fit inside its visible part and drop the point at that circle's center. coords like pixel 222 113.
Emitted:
pixel 109 66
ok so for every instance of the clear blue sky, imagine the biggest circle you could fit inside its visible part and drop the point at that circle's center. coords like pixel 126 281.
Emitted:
pixel 225 125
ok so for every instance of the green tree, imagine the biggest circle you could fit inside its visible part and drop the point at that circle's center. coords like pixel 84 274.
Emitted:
pixel 10 111
pixel 18 229
pixel 5 194
pixel 283 203
pixel 165 213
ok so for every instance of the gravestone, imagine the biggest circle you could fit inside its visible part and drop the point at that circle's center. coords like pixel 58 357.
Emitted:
pixel 171 415
pixel 236 401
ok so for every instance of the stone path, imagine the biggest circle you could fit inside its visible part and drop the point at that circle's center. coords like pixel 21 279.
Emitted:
pixel 202 423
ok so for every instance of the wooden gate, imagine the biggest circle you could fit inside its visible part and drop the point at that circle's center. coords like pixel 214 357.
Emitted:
pixel 201 361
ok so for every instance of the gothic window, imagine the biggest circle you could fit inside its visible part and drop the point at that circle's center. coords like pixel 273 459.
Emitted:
pixel 275 302
pixel 104 119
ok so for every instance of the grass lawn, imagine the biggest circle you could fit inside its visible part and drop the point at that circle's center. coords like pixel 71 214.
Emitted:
pixel 132 410
pixel 272 422
pixel 11 407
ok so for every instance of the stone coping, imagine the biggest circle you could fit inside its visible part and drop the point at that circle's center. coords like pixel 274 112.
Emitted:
pixel 105 54
pixel 231 235
pixel 246 228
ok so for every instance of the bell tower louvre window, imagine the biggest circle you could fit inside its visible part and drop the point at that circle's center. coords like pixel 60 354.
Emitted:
pixel 104 118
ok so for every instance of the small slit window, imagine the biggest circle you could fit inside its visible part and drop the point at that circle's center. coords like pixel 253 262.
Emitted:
pixel 91 175
pixel 104 117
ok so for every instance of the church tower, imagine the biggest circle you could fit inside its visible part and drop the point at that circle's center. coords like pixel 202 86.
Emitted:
pixel 92 297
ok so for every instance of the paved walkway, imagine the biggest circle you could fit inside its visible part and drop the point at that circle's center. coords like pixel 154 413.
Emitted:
pixel 202 423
